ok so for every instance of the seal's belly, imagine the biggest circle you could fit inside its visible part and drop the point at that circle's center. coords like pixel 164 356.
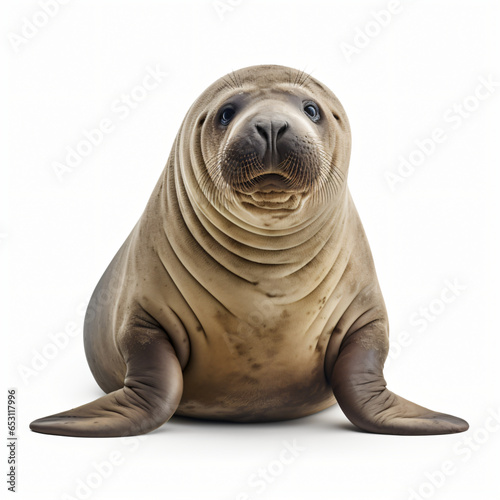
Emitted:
pixel 270 371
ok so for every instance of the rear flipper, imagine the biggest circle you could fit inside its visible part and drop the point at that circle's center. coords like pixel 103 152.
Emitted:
pixel 151 393
pixel 360 389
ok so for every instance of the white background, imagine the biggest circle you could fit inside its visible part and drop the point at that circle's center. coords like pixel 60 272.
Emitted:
pixel 440 223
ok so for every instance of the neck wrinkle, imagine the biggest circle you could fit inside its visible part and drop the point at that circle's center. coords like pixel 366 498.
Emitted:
pixel 245 253
pixel 190 242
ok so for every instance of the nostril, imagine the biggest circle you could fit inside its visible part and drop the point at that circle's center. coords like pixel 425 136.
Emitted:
pixel 282 130
pixel 262 131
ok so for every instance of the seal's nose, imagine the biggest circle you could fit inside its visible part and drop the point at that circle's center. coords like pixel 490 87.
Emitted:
pixel 271 130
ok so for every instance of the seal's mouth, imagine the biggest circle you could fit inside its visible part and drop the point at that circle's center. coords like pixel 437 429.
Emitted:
pixel 265 183
pixel 270 191
pixel 273 200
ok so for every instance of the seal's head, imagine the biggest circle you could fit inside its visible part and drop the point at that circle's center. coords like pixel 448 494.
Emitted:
pixel 269 145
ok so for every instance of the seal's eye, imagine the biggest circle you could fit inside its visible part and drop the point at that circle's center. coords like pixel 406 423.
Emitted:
pixel 312 111
pixel 226 116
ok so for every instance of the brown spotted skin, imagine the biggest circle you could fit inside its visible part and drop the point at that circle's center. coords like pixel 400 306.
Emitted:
pixel 242 296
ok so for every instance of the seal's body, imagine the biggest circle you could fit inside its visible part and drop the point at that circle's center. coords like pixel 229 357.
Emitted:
pixel 246 291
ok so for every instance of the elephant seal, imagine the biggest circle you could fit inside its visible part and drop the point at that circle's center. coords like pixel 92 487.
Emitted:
pixel 246 291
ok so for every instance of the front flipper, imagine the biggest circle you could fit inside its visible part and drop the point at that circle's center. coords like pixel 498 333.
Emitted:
pixel 360 389
pixel 151 393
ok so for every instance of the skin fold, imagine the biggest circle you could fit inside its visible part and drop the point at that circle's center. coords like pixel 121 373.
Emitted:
pixel 246 291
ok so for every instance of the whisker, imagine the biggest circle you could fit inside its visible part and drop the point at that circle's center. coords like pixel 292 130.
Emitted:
pixel 229 171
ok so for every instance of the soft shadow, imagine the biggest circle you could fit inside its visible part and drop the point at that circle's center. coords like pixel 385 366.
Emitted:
pixel 321 421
